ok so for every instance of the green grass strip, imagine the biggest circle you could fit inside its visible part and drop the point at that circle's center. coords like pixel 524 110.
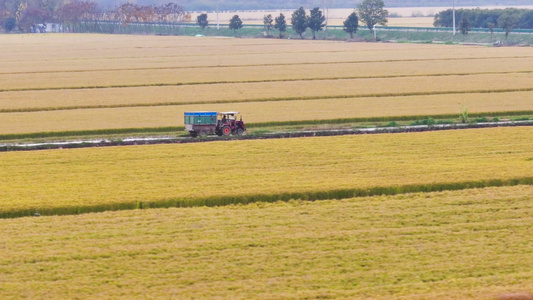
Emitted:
pixel 246 199
pixel 387 119
pixel 274 99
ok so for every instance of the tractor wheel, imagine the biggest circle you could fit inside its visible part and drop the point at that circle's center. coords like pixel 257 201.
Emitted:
pixel 240 131
pixel 193 134
pixel 226 130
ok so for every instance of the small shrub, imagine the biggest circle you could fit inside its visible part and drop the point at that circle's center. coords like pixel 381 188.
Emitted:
pixel 428 122
pixel 463 116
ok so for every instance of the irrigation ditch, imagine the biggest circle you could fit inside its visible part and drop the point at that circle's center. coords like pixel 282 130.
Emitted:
pixel 129 141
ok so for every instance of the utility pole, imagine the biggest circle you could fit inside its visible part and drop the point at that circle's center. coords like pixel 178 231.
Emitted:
pixel 453 17
pixel 218 23
pixel 327 15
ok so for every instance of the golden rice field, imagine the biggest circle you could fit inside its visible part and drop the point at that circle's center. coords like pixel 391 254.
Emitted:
pixel 84 82
pixel 467 244
pixel 258 112
pixel 80 180
pixel 473 244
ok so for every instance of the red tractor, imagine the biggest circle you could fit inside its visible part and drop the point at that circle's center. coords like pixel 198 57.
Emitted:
pixel 222 123
pixel 227 124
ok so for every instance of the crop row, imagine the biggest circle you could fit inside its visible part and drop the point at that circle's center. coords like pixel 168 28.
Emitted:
pixel 387 108
pixel 236 172
pixel 267 91
pixel 80 52
pixel 449 245
pixel 263 73
pixel 148 83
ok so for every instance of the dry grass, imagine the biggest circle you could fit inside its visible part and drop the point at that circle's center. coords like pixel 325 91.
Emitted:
pixel 471 244
pixel 76 180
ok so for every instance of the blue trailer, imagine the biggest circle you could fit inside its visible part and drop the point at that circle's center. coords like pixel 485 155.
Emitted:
pixel 211 122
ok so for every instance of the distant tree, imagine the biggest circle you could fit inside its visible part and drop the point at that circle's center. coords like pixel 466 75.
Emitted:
pixel 371 13
pixel 235 23
pixel 299 21
pixel 464 26
pixel 267 22
pixel 281 24
pixel 33 16
pixel 316 21
pixel 72 13
pixel 491 26
pixel 128 12
pixel 351 24
pixel 170 12
pixel 526 21
pixel 202 20
pixel 480 18
pixel 9 24
pixel 508 22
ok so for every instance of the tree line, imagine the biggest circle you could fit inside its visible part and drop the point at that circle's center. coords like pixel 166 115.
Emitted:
pixel 486 18
pixel 370 12
pixel 24 15
pixel 211 5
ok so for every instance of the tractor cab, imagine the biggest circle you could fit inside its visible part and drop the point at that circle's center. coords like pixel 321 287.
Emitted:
pixel 229 123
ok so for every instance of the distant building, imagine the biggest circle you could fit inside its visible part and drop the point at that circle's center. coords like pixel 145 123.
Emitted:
pixel 53 27
pixel 47 27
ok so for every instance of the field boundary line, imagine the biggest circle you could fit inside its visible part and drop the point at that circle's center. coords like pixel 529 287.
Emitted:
pixel 257 100
pixel 256 81
pixel 264 65
pixel 334 194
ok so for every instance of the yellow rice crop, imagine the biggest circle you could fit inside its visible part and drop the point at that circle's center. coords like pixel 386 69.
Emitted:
pixel 112 176
pixel 29 53
pixel 301 70
pixel 82 61
pixel 238 92
pixel 471 244
pixel 258 112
